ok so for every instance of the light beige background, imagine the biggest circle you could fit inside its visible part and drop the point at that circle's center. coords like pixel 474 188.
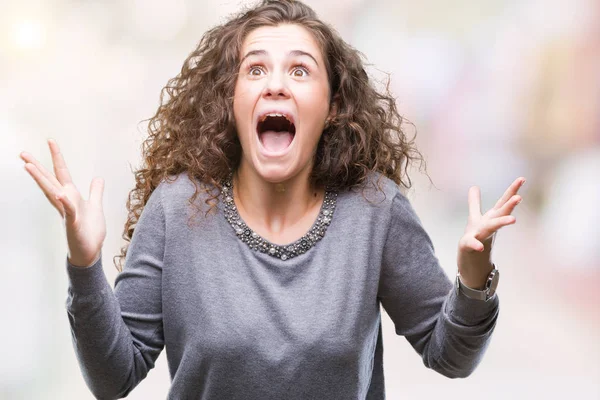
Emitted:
pixel 496 90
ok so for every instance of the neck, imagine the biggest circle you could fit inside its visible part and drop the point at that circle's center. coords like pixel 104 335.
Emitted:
pixel 275 206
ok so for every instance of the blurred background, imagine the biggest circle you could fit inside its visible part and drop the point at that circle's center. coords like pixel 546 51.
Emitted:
pixel 494 89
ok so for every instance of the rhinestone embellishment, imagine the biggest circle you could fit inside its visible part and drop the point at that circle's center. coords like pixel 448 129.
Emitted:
pixel 258 243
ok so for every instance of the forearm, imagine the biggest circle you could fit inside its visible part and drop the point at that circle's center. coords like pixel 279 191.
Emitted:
pixel 461 335
pixel 110 362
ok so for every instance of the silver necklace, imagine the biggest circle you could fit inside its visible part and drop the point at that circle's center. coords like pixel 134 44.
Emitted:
pixel 258 243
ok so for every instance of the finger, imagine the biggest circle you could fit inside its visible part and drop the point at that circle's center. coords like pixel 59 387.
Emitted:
pixel 511 191
pixel 474 202
pixel 508 207
pixel 96 191
pixel 60 167
pixel 494 224
pixel 471 244
pixel 28 158
pixel 47 188
pixel 69 207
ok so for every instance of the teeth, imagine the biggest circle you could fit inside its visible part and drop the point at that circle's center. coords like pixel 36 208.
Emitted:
pixel 274 115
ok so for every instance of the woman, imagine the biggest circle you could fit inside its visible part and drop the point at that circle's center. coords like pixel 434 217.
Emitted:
pixel 274 292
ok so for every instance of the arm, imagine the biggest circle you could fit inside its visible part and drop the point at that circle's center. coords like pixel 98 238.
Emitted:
pixel 118 335
pixel 449 331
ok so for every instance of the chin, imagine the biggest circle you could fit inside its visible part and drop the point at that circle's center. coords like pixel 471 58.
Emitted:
pixel 275 173
pixel 275 169
pixel 280 170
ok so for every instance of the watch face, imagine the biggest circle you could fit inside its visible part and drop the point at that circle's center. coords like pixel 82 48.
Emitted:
pixel 457 285
pixel 495 277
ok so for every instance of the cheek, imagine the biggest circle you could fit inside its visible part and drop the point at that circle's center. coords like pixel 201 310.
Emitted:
pixel 245 97
pixel 242 107
pixel 315 103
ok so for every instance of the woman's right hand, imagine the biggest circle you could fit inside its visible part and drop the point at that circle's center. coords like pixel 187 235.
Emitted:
pixel 84 220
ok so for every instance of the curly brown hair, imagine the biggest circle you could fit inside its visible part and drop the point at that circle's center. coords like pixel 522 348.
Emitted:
pixel 193 130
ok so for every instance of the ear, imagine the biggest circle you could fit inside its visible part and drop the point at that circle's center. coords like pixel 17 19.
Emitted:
pixel 333 109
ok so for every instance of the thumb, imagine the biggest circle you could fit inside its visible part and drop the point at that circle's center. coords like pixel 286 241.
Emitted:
pixel 70 214
pixel 96 191
pixel 470 244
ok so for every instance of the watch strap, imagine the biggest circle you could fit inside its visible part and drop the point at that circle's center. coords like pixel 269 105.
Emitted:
pixel 484 294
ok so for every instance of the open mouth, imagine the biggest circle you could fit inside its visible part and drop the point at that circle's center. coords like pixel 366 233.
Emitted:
pixel 275 131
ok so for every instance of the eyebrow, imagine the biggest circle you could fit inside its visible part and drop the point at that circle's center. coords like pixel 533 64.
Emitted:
pixel 292 53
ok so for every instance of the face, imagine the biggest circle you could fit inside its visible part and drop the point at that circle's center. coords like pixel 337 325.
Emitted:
pixel 282 72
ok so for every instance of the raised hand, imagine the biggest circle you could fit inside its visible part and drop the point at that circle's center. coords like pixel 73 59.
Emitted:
pixel 84 220
pixel 475 247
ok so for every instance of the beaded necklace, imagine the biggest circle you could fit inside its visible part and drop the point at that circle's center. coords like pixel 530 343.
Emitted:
pixel 258 243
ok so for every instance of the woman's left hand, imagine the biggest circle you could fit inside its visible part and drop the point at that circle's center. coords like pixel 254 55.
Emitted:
pixel 475 247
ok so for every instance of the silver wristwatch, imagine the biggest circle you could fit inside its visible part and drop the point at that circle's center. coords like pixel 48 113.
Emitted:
pixel 487 293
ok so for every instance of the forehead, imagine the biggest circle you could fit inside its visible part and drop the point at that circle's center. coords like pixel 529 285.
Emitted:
pixel 283 37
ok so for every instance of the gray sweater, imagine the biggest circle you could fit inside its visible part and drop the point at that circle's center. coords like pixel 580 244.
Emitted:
pixel 237 323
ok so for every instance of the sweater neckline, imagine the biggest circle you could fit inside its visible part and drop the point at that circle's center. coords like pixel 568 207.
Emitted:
pixel 258 243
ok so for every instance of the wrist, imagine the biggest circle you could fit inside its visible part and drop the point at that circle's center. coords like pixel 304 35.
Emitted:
pixel 481 293
pixel 475 285
pixel 475 278
pixel 82 262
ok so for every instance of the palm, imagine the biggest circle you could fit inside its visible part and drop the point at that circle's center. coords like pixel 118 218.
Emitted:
pixel 478 228
pixel 475 246
pixel 481 229
pixel 88 229
pixel 84 219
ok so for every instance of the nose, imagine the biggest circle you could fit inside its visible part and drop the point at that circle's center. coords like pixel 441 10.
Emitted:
pixel 276 87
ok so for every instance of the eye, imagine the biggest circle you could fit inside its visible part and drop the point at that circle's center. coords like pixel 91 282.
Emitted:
pixel 300 71
pixel 256 70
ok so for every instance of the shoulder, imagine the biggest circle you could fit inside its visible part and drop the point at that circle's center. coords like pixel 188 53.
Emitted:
pixel 396 208
pixel 181 185
pixel 381 192
pixel 178 193
pixel 375 205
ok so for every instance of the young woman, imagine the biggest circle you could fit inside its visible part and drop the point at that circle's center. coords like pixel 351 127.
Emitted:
pixel 266 228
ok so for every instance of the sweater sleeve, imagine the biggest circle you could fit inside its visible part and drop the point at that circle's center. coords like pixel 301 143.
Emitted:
pixel 118 335
pixel 450 331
